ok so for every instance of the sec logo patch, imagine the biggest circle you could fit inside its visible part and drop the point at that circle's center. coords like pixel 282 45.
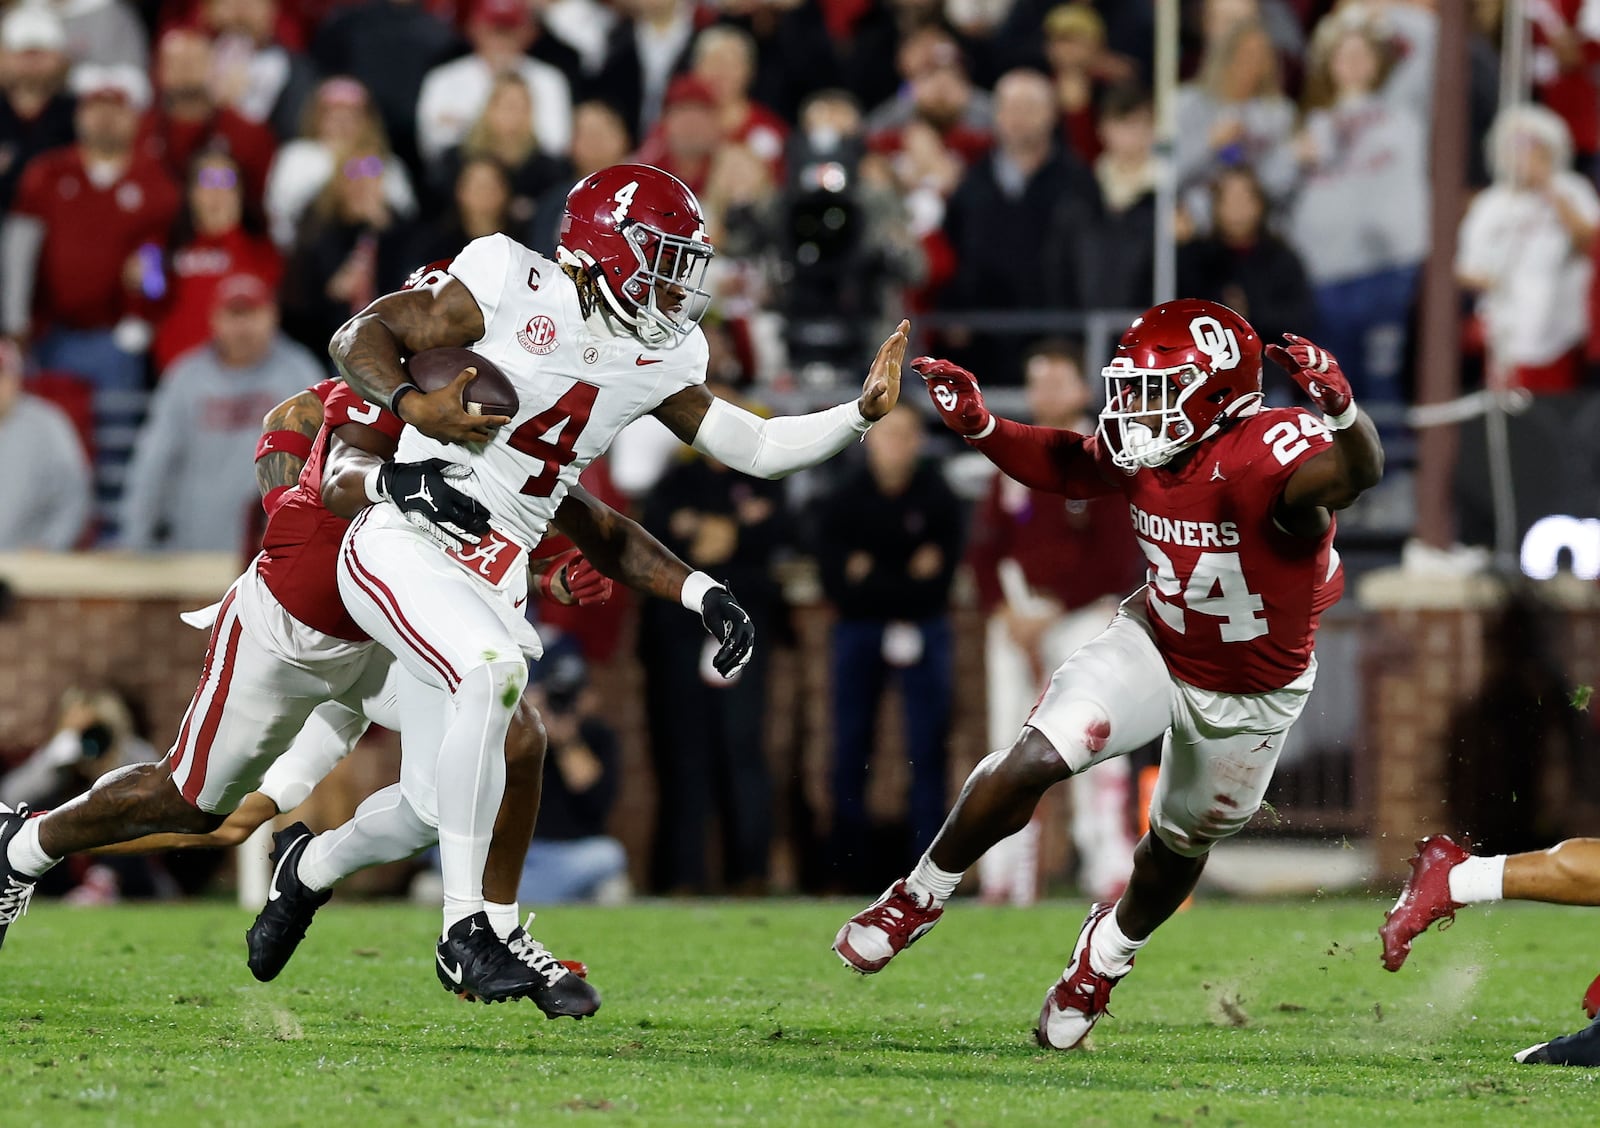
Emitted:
pixel 539 337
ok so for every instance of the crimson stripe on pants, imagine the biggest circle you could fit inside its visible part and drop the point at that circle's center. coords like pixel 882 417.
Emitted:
pixel 181 748
pixel 379 593
pixel 208 729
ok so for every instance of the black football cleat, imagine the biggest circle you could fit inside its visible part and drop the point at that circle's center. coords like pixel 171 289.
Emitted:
pixel 1582 1048
pixel 291 903
pixel 16 888
pixel 475 964
pixel 561 993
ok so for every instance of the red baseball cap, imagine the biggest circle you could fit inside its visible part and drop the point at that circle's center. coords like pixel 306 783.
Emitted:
pixel 689 88
pixel 502 13
pixel 240 292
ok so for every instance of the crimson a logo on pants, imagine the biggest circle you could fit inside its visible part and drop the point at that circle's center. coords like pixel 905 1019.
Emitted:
pixel 538 336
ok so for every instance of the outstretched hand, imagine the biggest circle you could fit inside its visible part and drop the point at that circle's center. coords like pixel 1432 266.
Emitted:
pixel 882 388
pixel 1317 372
pixel 955 395
pixel 442 414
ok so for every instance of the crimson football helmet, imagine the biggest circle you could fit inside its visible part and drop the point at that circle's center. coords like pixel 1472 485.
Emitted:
pixel 631 228
pixel 1180 372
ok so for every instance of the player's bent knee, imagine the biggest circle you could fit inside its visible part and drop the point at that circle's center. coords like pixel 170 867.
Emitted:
pixel 1079 731
pixel 1191 837
pixel 526 740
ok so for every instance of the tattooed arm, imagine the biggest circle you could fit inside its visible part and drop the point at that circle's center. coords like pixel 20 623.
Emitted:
pixel 368 350
pixel 287 432
pixel 619 547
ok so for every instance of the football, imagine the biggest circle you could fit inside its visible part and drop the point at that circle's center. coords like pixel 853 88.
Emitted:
pixel 490 391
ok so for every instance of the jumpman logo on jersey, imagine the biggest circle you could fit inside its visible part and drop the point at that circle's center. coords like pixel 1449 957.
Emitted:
pixel 1216 473
pixel 424 494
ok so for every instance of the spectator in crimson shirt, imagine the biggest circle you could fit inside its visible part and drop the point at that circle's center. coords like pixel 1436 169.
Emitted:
pixel 187 120
pixel 215 239
pixel 725 60
pixel 936 91
pixel 35 109
pixel 1049 573
pixel 87 226
pixel 689 135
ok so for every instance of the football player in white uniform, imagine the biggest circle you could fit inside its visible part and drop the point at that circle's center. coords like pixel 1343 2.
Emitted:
pixel 591 342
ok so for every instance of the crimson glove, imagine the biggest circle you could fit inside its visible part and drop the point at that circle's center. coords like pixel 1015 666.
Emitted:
pixel 586 584
pixel 955 394
pixel 1316 370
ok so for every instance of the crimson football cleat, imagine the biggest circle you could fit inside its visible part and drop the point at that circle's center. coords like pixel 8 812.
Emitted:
pixel 884 929
pixel 1424 899
pixel 1080 996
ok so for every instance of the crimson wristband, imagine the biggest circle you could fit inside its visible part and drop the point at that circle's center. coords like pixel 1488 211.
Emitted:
pixel 283 442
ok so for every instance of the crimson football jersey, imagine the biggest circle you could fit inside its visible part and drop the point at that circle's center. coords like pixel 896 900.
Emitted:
pixel 300 550
pixel 1234 600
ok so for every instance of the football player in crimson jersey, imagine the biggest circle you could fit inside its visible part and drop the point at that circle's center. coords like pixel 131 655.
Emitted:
pixel 607 333
pixel 1232 503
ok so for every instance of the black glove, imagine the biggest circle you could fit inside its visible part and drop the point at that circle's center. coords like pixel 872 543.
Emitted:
pixel 424 493
pixel 731 626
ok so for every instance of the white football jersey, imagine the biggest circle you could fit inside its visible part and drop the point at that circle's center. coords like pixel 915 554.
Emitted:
pixel 576 386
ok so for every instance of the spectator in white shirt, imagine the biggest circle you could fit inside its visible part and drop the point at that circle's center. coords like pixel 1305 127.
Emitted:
pixel 1234 113
pixel 453 95
pixel 1360 221
pixel 45 504
pixel 1525 247
pixel 256 75
pixel 340 120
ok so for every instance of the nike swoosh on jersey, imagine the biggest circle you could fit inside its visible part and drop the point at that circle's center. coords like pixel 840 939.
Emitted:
pixel 454 973
pixel 644 360
pixel 272 890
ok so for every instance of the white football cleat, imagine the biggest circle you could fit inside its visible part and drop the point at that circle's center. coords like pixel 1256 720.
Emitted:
pixel 1080 996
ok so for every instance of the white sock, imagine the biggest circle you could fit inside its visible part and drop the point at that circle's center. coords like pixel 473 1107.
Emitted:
pixel 26 854
pixel 472 780
pixel 928 880
pixel 1110 950
pixel 1478 879
pixel 503 917
pixel 385 828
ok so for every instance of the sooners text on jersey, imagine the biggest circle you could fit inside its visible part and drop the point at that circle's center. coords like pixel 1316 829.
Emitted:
pixel 300 551
pixel 1234 600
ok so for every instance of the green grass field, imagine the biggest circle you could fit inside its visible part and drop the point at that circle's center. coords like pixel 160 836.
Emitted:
pixel 739 1014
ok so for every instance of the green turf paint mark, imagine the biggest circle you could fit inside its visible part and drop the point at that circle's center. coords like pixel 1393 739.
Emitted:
pixel 1580 698
pixel 509 695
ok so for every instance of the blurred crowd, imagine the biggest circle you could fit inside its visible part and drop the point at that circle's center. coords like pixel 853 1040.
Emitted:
pixel 196 193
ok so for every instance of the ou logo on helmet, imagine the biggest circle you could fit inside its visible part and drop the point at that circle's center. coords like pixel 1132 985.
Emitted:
pixel 1216 341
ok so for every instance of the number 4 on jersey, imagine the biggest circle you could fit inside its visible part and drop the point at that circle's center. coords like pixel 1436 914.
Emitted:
pixel 565 419
pixel 1215 587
